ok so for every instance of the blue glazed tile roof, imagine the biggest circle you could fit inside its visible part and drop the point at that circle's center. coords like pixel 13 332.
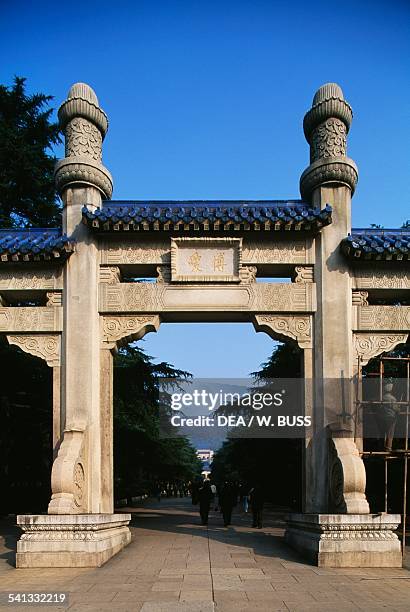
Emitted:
pixel 33 244
pixel 205 214
pixel 373 244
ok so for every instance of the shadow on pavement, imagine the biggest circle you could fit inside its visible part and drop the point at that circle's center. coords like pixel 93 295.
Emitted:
pixel 9 534
pixel 181 517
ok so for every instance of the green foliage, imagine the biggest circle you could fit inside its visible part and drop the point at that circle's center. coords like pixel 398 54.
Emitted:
pixel 27 135
pixel 285 362
pixel 141 456
pixel 274 463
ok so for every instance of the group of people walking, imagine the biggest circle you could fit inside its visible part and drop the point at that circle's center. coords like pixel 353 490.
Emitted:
pixel 225 499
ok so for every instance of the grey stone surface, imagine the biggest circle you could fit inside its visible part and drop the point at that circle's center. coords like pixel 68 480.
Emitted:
pixel 71 540
pixel 346 540
pixel 173 561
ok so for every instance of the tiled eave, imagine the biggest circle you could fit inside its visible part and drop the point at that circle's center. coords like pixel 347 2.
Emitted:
pixel 207 216
pixel 25 245
pixel 377 244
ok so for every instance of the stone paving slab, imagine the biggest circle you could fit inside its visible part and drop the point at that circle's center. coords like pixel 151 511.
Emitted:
pixel 174 564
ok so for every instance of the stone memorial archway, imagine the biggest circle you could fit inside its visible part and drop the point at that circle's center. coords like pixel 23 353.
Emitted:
pixel 80 269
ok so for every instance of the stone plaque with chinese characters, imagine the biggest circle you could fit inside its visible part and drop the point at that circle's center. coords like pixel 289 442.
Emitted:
pixel 205 259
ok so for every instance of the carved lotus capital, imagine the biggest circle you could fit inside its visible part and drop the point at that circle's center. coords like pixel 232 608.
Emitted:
pixel 82 170
pixel 337 170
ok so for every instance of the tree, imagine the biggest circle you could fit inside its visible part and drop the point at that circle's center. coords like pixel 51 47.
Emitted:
pixel 285 362
pixel 275 462
pixel 142 456
pixel 27 135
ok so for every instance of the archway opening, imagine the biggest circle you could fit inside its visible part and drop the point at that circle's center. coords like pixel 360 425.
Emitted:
pixel 145 464
pixel 26 425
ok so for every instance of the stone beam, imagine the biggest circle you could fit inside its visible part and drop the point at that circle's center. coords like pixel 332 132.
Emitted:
pixel 278 252
pixel 158 297
pixel 30 319
pixel 148 251
pixel 381 318
pixel 25 280
pixel 374 278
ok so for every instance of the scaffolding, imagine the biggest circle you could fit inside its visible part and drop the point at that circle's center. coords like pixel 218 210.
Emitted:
pixel 401 406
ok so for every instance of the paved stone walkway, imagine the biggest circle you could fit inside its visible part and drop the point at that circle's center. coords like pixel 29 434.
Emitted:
pixel 175 564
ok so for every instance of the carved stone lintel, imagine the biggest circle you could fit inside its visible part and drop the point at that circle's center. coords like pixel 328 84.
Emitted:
pixel 303 274
pixel 130 252
pixel 126 328
pixel 110 275
pixel 290 251
pixel 367 346
pixel 54 298
pixel 247 275
pixel 45 346
pixel 175 297
pixel 359 298
pixel 17 279
pixel 347 477
pixel 374 278
pixel 68 476
pixel 381 318
pixel 279 327
pixel 30 319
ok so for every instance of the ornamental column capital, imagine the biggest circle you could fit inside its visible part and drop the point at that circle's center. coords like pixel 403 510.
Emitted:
pixel 326 126
pixel 85 125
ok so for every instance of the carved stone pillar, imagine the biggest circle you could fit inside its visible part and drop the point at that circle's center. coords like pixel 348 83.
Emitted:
pixel 350 536
pixel 80 529
pixel 81 179
pixel 330 179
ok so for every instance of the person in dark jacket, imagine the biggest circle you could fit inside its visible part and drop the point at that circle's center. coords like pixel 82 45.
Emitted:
pixel 205 496
pixel 227 500
pixel 257 501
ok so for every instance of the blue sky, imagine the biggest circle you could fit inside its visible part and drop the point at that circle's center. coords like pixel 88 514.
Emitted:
pixel 206 100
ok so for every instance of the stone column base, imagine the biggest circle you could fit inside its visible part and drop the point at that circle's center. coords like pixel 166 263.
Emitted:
pixel 346 540
pixel 70 540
